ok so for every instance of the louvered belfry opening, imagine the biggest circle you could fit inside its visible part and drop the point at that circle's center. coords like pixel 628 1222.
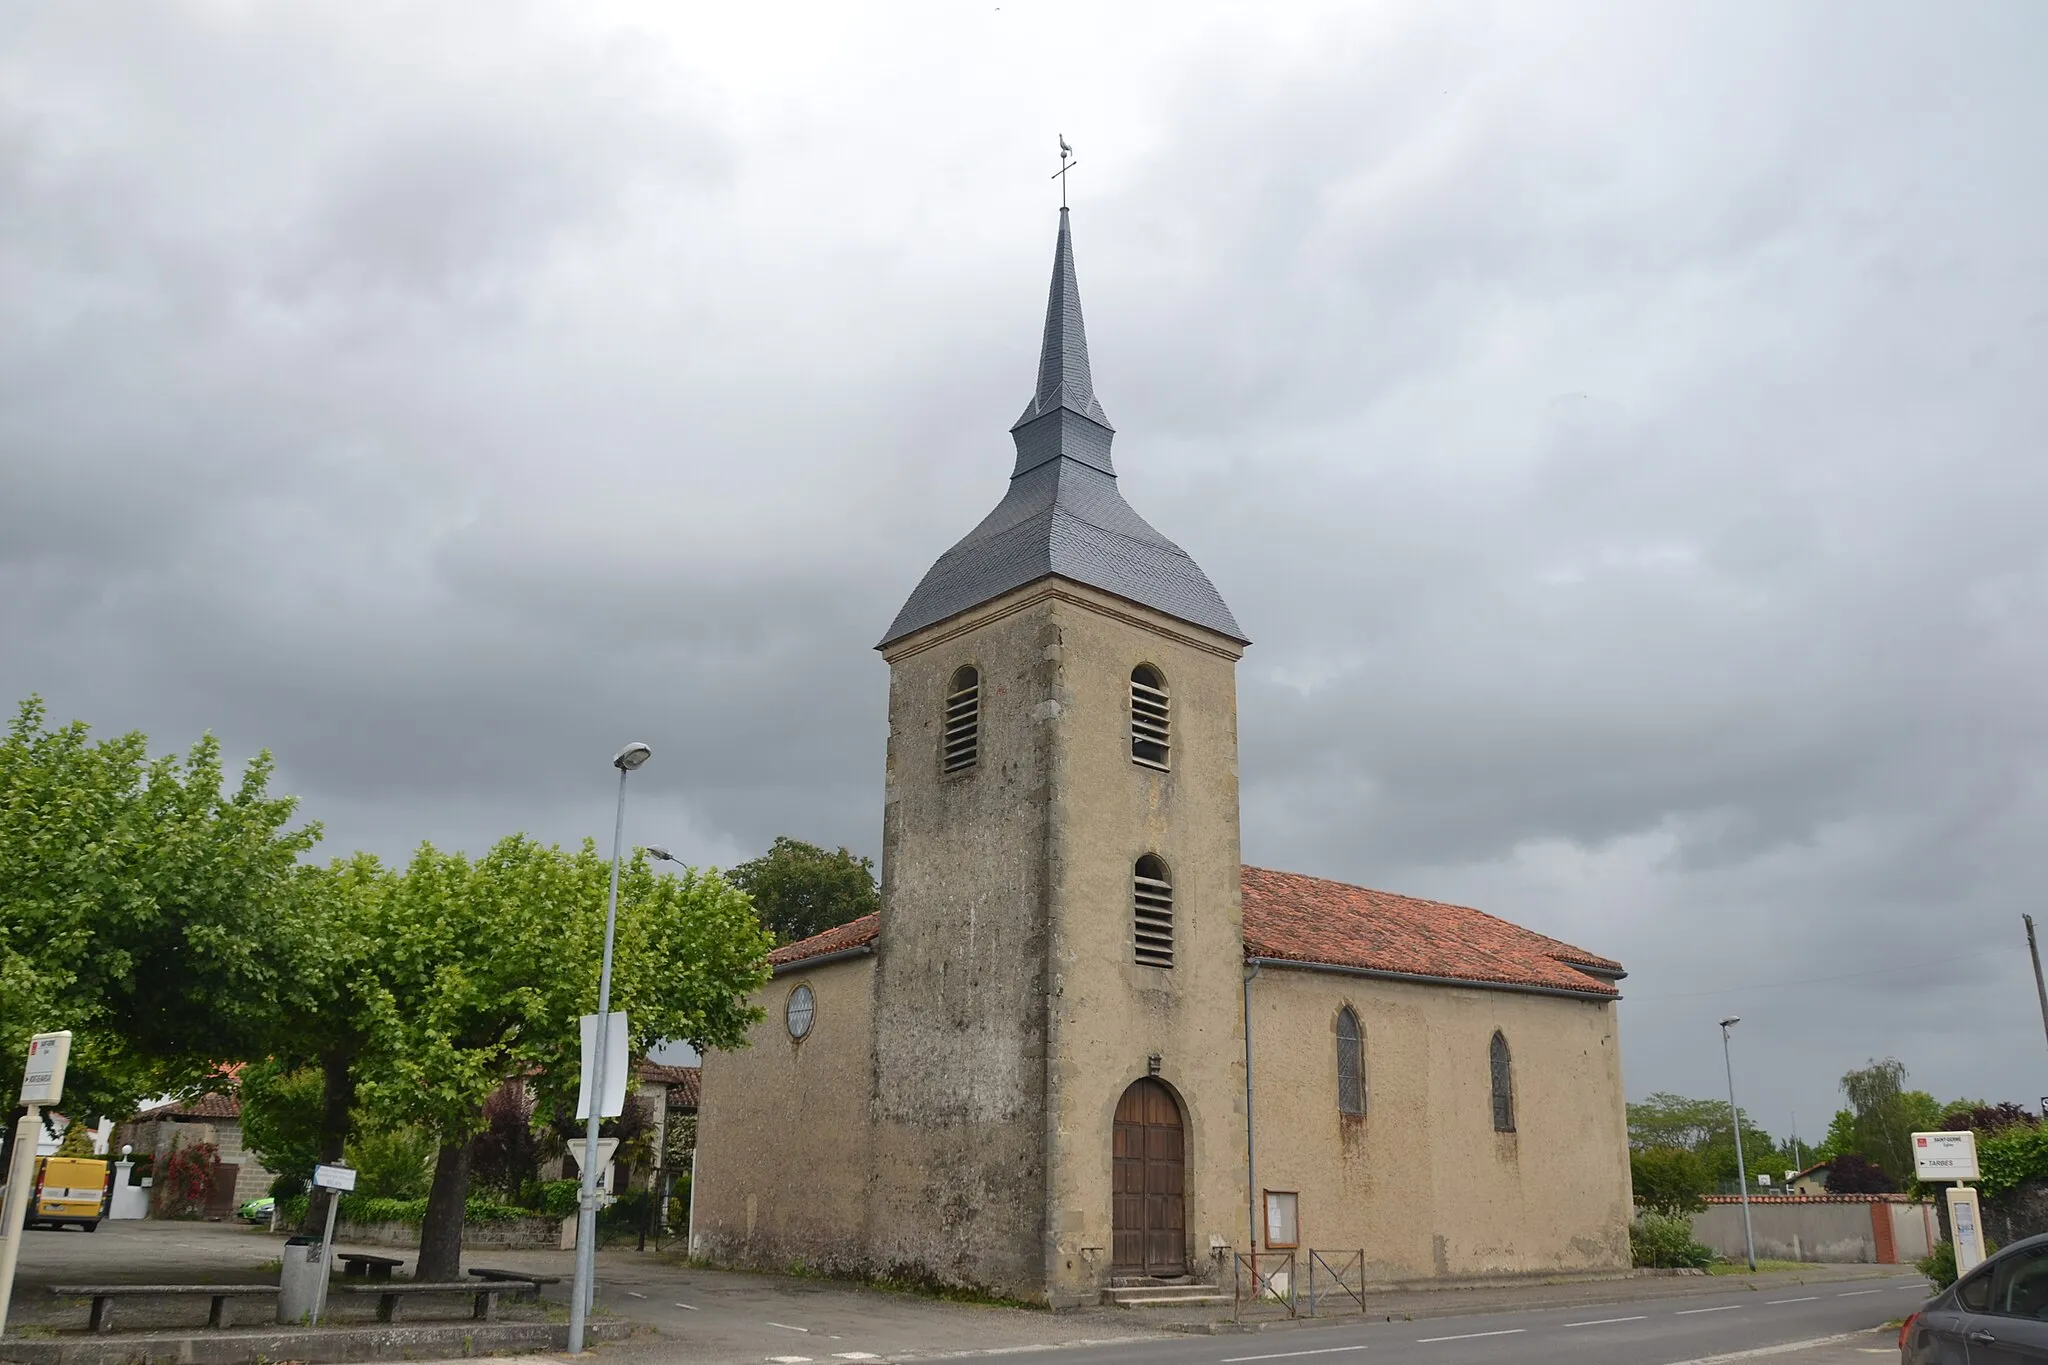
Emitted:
pixel 962 747
pixel 1350 1064
pixel 1152 912
pixel 1151 740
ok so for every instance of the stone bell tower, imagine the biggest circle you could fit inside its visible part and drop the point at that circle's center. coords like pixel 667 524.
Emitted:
pixel 1058 1035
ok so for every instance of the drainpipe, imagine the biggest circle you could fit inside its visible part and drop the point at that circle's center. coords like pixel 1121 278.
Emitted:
pixel 1251 1165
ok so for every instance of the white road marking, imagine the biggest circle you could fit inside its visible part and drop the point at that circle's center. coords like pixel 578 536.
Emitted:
pixel 629 1293
pixel 1602 1322
pixel 1857 1292
pixel 691 1306
pixel 1760 1351
pixel 1290 1355
pixel 1810 1298
pixel 787 1328
pixel 789 1360
pixel 1468 1336
pixel 854 1355
pixel 1724 1308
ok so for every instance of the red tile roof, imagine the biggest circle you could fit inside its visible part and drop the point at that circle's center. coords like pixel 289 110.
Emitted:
pixel 855 934
pixel 208 1106
pixel 1310 920
pixel 682 1082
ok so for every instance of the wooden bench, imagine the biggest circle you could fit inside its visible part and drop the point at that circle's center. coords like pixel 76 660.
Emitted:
pixel 361 1264
pixel 217 1313
pixel 485 1296
pixel 484 1272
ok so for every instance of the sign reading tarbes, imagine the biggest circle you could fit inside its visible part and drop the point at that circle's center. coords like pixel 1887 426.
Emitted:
pixel 1945 1156
pixel 43 1081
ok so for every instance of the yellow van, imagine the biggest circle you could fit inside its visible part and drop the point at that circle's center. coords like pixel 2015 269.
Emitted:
pixel 70 1189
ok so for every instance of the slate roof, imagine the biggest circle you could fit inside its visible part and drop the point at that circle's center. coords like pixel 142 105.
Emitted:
pixel 1310 920
pixel 1324 923
pixel 1063 515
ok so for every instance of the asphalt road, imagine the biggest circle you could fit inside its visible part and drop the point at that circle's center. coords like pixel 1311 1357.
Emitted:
pixel 1686 1330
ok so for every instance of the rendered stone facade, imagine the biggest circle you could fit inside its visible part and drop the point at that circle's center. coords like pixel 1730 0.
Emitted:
pixel 960 1109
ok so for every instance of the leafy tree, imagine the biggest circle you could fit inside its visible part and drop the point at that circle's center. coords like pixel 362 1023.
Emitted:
pixel 507 1151
pixel 1840 1137
pixel 1669 1179
pixel 1887 1114
pixel 1668 1120
pixel 1853 1173
pixel 281 1114
pixel 1977 1116
pixel 799 889
pixel 487 966
pixel 137 902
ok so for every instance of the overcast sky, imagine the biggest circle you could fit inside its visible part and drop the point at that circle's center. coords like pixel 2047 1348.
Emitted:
pixel 1620 429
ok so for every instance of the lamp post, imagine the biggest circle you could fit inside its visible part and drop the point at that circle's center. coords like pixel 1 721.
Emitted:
pixel 1735 1118
pixel 626 760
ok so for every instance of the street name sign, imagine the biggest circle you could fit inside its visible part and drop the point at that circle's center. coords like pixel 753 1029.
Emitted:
pixel 1945 1156
pixel 334 1177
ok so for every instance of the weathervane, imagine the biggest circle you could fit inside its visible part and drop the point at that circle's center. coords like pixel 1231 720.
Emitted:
pixel 1066 165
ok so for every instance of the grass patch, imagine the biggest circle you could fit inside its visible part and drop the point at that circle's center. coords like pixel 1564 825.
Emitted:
pixel 1742 1268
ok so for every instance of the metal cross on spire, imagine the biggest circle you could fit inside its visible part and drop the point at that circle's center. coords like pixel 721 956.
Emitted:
pixel 1066 164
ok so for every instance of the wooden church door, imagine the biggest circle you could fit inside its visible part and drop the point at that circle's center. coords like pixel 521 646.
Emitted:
pixel 1149 1218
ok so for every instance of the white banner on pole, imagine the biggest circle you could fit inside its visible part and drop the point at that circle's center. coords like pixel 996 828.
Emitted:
pixel 614 1066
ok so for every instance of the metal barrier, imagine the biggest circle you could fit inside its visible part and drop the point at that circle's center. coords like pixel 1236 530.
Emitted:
pixel 1267 1275
pixel 1334 1285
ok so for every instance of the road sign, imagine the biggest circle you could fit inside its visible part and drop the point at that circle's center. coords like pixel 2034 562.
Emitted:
pixel 605 1147
pixel 1945 1156
pixel 43 1081
pixel 334 1177
pixel 614 1066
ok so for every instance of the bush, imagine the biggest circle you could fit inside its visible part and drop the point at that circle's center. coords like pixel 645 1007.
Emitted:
pixel 1663 1241
pixel 1939 1265
pixel 367 1208
pixel 557 1198
pixel 187 1184
pixel 1853 1173
pixel 2011 1157
pixel 1668 1179
pixel 397 1163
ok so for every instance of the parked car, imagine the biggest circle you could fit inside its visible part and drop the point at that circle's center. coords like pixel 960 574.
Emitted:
pixel 1995 1315
pixel 257 1210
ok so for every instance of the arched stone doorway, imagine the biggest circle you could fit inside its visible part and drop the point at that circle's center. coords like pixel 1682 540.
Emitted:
pixel 1148 1152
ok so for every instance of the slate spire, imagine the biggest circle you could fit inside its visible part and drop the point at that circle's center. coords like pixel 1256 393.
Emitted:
pixel 1063 516
pixel 1063 377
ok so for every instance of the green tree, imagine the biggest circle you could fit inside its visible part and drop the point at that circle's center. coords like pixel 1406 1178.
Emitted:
pixel 1669 1179
pixel 281 1111
pixel 488 965
pixel 799 889
pixel 138 898
pixel 1887 1115
pixel 1840 1138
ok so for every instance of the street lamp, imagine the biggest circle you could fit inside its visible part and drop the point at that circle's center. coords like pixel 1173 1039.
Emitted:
pixel 1735 1117
pixel 626 760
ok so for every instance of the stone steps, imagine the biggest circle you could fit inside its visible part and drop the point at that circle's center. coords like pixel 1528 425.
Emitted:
pixel 1158 1294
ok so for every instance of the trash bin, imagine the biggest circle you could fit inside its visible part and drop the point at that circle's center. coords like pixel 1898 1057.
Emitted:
pixel 298 1292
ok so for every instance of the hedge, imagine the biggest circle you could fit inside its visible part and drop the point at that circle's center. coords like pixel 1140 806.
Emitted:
pixel 363 1208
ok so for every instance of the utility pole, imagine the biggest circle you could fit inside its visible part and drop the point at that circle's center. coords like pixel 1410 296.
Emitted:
pixel 2034 951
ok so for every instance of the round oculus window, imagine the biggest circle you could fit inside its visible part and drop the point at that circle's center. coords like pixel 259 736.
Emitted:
pixel 802 1005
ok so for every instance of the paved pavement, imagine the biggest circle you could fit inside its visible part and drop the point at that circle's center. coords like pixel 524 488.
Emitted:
pixel 724 1318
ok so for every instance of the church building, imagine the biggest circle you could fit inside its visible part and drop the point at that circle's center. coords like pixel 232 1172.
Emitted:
pixel 1081 1042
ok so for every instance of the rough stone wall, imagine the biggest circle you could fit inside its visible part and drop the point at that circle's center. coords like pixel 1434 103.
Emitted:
pixel 1422 1183
pixel 1109 1015
pixel 2020 1212
pixel 958 1186
pixel 782 1133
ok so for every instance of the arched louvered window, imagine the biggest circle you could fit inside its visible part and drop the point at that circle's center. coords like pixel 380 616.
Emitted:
pixel 1151 740
pixel 962 746
pixel 1152 913
pixel 1503 1086
pixel 1350 1063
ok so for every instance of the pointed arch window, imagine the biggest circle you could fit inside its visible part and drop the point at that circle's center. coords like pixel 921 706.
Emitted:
pixel 1152 913
pixel 961 749
pixel 1503 1085
pixel 1350 1063
pixel 1151 737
